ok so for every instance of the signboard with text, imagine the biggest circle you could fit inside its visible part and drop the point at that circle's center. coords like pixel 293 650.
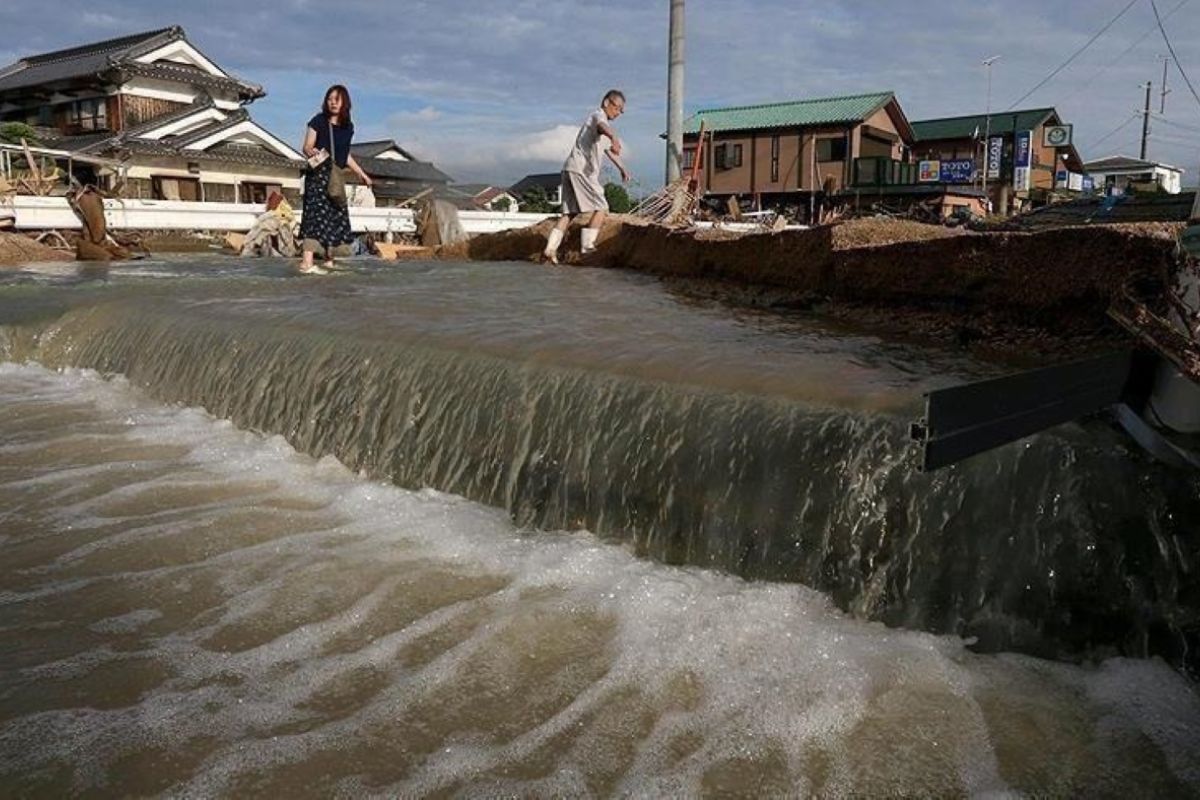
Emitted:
pixel 995 155
pixel 960 170
pixel 1022 160
pixel 1075 182
pixel 929 171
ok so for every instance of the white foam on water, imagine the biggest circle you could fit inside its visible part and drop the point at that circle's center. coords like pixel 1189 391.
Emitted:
pixel 359 637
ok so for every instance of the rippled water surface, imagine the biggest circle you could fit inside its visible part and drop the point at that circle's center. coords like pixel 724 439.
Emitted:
pixel 192 608
pixel 193 604
pixel 598 319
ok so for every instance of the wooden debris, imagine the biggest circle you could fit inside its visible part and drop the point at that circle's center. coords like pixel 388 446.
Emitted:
pixel 235 241
pixel 391 252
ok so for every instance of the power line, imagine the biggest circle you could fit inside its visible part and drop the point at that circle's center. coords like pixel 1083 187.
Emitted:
pixel 1174 124
pixel 1178 65
pixel 1115 130
pixel 1076 54
pixel 1128 50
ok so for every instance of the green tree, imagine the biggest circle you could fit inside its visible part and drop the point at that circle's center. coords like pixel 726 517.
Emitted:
pixel 501 204
pixel 536 201
pixel 618 198
pixel 14 132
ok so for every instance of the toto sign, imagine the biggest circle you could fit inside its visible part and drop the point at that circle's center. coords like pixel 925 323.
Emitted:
pixel 960 170
pixel 995 156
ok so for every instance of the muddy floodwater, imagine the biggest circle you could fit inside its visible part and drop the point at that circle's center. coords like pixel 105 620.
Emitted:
pixel 476 530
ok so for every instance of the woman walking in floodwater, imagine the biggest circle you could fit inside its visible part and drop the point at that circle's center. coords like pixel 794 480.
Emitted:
pixel 326 224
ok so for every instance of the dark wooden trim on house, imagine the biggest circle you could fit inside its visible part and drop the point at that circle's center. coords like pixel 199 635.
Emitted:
pixel 753 161
pixel 848 161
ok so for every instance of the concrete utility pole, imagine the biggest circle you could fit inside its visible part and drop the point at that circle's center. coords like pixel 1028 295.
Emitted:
pixel 675 94
pixel 1146 120
pixel 1165 91
pixel 987 125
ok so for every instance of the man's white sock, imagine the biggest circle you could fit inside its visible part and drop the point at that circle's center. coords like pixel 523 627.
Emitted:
pixel 588 238
pixel 552 242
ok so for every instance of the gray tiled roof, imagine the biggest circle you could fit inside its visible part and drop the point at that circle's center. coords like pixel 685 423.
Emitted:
pixel 113 55
pixel 1119 162
pixel 549 181
pixel 173 146
pixel 400 170
pixel 235 117
pixel 372 149
pixel 84 60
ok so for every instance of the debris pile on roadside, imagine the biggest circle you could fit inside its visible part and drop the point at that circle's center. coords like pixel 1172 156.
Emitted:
pixel 17 249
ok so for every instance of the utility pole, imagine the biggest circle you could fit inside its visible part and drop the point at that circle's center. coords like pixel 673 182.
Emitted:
pixel 987 127
pixel 1165 91
pixel 675 94
pixel 1146 120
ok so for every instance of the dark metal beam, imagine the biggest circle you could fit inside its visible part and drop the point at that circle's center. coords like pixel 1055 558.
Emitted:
pixel 962 421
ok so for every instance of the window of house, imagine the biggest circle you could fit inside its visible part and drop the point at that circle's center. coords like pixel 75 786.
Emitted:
pixel 88 115
pixel 172 188
pixel 257 193
pixel 774 158
pixel 727 156
pixel 831 149
pixel 689 157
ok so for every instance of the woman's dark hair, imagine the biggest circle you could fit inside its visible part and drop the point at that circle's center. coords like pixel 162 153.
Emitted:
pixel 343 118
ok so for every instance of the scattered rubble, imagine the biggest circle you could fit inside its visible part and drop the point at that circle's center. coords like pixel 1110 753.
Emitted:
pixel 17 249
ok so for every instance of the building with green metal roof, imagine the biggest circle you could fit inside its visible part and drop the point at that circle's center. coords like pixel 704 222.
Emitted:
pixel 975 125
pixel 843 110
pixel 1053 158
pixel 794 149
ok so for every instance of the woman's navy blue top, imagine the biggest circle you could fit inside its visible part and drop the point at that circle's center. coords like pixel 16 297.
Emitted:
pixel 341 137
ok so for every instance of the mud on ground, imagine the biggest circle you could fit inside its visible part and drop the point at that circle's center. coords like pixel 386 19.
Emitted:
pixel 1040 292
pixel 17 249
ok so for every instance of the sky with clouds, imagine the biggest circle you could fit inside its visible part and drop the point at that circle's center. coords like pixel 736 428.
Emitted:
pixel 490 91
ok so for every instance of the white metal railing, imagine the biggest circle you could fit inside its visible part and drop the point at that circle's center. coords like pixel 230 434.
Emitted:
pixel 44 213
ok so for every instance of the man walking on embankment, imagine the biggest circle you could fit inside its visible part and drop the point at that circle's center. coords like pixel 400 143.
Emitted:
pixel 582 191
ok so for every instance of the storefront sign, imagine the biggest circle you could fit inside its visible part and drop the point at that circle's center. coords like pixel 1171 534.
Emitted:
pixel 929 171
pixel 1022 154
pixel 961 170
pixel 1075 182
pixel 995 156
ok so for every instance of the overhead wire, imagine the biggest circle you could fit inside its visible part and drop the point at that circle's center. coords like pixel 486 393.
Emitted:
pixel 1171 49
pixel 1152 29
pixel 1075 55
pixel 1173 123
pixel 1115 130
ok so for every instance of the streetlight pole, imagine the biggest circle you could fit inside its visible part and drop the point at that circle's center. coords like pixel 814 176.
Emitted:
pixel 987 129
pixel 675 94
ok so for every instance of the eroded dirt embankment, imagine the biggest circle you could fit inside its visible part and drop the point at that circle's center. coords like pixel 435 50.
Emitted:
pixel 957 284
pixel 16 249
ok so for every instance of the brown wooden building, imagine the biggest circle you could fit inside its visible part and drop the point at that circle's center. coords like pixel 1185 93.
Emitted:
pixel 789 151
pixel 1053 157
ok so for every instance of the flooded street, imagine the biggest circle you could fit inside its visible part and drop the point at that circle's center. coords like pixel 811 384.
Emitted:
pixel 446 533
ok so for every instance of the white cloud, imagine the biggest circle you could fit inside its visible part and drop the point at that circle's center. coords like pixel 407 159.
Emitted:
pixel 549 145
pixel 426 114
pixel 492 91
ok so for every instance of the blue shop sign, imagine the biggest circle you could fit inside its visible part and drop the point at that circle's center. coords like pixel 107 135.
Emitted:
pixel 960 170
